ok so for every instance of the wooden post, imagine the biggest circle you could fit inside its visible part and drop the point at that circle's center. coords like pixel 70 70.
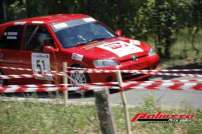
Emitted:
pixel 65 81
pixel 124 101
pixel 104 112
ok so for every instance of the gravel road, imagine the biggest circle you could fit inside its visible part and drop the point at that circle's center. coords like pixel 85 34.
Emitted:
pixel 164 97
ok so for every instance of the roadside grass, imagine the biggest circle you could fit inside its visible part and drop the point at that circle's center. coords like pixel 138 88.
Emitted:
pixel 38 118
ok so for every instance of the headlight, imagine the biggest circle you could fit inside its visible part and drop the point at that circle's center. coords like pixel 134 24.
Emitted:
pixel 151 52
pixel 104 63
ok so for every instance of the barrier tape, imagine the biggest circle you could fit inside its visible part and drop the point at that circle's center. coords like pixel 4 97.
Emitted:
pixel 62 74
pixel 14 68
pixel 12 76
pixel 152 72
pixel 159 85
pixel 148 85
pixel 20 69
pixel 152 81
pixel 91 70
pixel 29 88
pixel 46 88
pixel 132 71
pixel 87 70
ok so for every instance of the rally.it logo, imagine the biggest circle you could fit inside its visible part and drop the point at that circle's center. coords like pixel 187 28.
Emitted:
pixel 162 117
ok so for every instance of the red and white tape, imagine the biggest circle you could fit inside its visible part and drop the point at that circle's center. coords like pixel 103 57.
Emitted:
pixel 91 70
pixel 62 74
pixel 143 85
pixel 151 81
pixel 45 88
pixel 12 76
pixel 152 72
pixel 164 72
pixel 158 85
pixel 14 68
pixel 20 69
pixel 29 88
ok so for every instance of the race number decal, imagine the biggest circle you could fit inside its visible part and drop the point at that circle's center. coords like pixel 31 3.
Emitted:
pixel 121 48
pixel 41 65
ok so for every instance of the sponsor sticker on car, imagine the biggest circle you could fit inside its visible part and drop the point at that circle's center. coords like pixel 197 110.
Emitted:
pixel 41 65
pixel 77 57
pixel 121 48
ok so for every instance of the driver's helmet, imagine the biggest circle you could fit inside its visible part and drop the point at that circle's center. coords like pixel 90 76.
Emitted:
pixel 43 37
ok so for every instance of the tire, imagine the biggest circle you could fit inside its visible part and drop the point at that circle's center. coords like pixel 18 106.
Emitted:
pixel 79 78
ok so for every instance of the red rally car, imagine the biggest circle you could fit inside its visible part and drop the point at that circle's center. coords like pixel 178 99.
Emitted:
pixel 44 43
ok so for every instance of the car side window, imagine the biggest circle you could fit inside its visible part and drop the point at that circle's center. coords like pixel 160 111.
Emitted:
pixel 35 37
pixel 11 38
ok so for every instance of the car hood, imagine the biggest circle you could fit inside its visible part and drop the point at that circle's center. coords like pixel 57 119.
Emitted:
pixel 119 48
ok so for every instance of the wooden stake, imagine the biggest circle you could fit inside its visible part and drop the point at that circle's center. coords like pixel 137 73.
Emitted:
pixel 65 81
pixel 104 112
pixel 124 101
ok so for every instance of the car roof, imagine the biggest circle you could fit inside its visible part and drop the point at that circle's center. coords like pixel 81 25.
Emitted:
pixel 47 19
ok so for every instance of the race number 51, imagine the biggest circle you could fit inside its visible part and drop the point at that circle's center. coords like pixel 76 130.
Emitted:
pixel 41 63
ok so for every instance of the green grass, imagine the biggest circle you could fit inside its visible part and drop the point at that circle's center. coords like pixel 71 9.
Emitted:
pixel 38 118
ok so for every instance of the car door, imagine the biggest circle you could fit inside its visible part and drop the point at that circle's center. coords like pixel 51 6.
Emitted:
pixel 35 37
pixel 10 46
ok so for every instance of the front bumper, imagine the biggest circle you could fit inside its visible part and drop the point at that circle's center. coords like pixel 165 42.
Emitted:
pixel 145 63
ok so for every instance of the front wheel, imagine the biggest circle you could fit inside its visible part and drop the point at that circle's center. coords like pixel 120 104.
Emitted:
pixel 77 79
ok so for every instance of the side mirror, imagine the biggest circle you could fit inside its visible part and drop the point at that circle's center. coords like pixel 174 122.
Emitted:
pixel 119 32
pixel 49 49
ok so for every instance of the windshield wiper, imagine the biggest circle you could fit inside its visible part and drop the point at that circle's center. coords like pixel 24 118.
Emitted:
pixel 81 43
pixel 96 39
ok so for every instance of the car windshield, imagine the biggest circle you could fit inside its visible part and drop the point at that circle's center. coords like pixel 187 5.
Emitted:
pixel 80 32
